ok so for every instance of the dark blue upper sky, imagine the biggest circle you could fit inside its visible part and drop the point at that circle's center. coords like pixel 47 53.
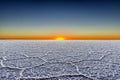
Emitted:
pixel 74 16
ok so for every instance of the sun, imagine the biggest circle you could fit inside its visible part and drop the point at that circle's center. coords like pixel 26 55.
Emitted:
pixel 60 38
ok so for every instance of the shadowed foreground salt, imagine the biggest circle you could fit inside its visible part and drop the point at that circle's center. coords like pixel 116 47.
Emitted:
pixel 59 60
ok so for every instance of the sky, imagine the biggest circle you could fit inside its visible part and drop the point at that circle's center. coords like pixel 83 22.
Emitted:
pixel 49 19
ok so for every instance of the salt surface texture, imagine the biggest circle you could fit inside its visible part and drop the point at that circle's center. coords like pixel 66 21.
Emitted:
pixel 59 60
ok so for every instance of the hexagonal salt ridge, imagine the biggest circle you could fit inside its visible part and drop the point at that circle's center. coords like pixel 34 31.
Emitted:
pixel 51 69
pixel 23 62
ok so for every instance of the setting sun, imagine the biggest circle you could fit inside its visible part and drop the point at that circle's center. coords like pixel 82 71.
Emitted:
pixel 60 38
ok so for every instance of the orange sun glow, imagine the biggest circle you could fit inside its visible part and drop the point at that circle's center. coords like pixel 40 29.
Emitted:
pixel 60 38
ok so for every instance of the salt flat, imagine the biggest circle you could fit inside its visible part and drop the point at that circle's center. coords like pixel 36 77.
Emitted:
pixel 59 60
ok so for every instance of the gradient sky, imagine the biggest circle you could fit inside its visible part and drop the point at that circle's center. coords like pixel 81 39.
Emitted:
pixel 72 19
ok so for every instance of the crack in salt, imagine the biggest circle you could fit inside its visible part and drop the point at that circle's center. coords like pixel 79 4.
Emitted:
pixel 58 77
pixel 2 63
